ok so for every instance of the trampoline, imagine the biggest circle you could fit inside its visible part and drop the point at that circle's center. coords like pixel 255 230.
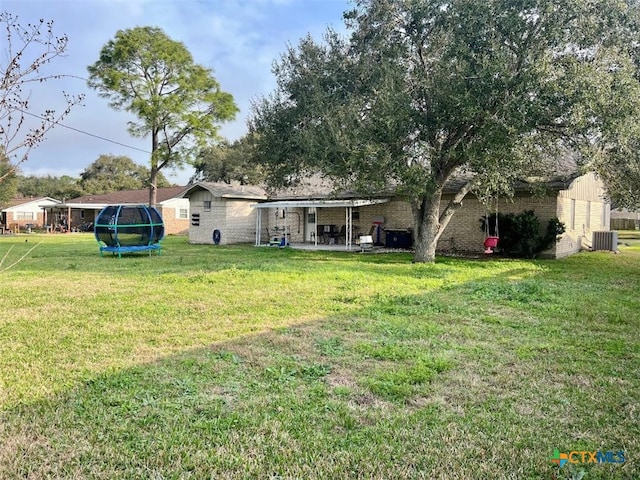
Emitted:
pixel 124 228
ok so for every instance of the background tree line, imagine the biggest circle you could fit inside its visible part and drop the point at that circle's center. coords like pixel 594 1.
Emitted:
pixel 107 174
pixel 227 162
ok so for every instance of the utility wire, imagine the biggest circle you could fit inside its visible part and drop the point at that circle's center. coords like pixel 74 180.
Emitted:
pixel 87 133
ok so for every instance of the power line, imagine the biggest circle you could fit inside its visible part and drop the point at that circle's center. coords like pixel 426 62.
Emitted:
pixel 88 133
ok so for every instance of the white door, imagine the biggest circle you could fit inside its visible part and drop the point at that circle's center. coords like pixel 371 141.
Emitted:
pixel 310 224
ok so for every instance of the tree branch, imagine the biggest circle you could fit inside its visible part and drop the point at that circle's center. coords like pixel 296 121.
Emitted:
pixel 454 204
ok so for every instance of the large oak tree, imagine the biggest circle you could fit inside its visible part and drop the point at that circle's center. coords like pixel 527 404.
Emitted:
pixel 425 90
pixel 178 103
pixel 228 162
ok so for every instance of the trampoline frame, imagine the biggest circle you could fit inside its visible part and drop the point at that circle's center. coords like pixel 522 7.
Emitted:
pixel 119 249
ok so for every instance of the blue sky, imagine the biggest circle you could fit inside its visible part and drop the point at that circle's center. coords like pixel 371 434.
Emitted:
pixel 238 39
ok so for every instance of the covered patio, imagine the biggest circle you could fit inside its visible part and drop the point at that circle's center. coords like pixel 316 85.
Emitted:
pixel 315 234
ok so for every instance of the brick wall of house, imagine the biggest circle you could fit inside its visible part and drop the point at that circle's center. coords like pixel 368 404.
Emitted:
pixel 17 217
pixel 273 222
pixel 464 232
pixel 235 219
pixel 82 217
pixel 296 224
pixel 210 219
pixel 240 225
pixel 19 224
pixel 172 224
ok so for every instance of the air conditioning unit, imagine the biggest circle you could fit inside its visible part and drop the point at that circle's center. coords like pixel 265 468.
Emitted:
pixel 605 241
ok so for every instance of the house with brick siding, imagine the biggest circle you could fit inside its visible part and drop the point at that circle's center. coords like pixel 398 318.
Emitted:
pixel 80 213
pixel 315 216
pixel 21 214
pixel 223 213
pixel 578 201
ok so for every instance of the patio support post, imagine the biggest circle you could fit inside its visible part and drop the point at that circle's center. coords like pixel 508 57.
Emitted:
pixel 349 227
pixel 258 225
pixel 285 211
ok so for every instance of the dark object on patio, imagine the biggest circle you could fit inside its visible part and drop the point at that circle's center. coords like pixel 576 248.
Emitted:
pixel 398 238
pixel 124 228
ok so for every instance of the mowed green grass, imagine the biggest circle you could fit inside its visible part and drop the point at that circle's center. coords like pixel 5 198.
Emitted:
pixel 243 362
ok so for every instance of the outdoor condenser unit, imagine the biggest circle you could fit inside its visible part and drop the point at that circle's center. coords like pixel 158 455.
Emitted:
pixel 605 241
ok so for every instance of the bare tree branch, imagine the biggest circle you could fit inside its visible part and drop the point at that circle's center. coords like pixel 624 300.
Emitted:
pixel 17 139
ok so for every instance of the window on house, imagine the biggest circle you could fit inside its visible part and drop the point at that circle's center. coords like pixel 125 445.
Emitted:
pixel 24 216
pixel 355 214
pixel 207 205
pixel 183 213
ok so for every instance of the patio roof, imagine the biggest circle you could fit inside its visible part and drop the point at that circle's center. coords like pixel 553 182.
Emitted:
pixel 344 203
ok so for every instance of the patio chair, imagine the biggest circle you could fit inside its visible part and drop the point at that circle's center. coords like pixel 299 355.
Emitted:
pixel 366 243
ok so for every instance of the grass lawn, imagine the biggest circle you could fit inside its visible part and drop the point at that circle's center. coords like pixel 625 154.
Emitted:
pixel 243 362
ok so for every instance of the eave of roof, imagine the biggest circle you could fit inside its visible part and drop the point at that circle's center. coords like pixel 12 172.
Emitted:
pixel 223 190
pixel 334 203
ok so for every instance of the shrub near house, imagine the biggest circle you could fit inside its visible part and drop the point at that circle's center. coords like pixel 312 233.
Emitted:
pixel 521 235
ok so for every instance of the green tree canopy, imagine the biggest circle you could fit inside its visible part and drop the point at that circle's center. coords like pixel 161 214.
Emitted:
pixel 426 90
pixel 178 103
pixel 64 187
pixel 228 162
pixel 111 173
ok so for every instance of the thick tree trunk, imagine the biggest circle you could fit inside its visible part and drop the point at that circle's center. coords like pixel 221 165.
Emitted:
pixel 429 222
pixel 426 215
